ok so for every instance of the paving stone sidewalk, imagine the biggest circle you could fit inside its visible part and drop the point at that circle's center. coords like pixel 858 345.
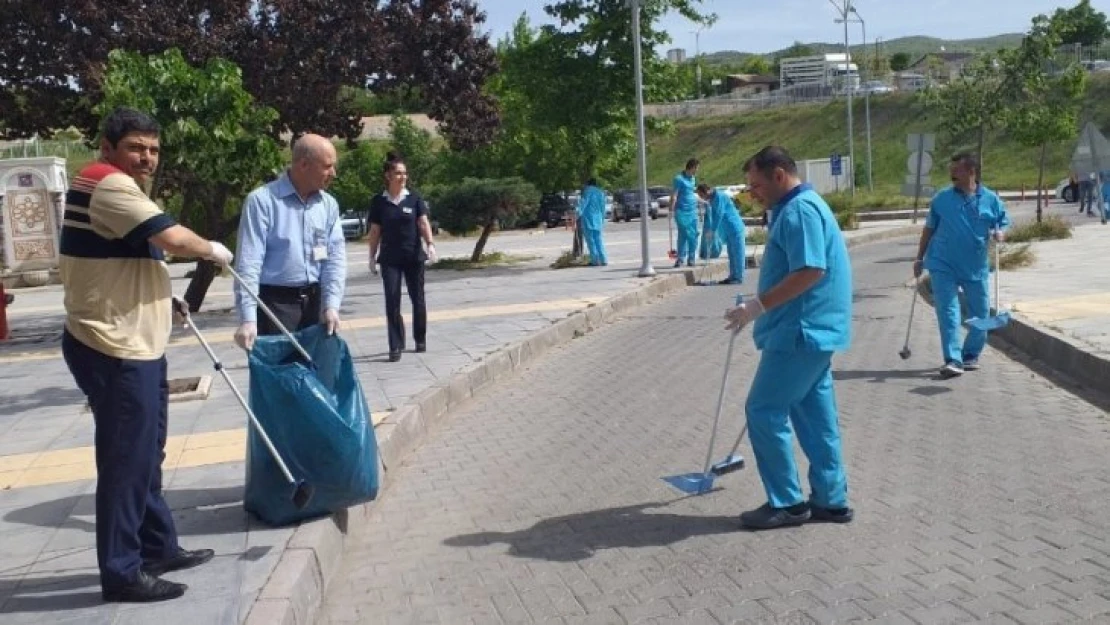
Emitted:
pixel 982 499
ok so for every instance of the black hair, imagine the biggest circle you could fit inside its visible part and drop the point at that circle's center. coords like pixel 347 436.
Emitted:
pixel 123 121
pixel 392 160
pixel 692 163
pixel 704 188
pixel 967 158
pixel 770 158
pixel 592 182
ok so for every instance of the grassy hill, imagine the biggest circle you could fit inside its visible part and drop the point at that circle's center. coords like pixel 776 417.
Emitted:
pixel 914 46
pixel 814 131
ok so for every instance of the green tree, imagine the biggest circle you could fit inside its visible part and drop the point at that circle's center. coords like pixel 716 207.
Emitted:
pixel 360 176
pixel 899 61
pixel 1080 24
pixel 1043 107
pixel 416 146
pixel 756 65
pixel 216 142
pixel 483 203
pixel 972 103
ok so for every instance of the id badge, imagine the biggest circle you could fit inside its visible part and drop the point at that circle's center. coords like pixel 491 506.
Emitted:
pixel 320 249
pixel 407 210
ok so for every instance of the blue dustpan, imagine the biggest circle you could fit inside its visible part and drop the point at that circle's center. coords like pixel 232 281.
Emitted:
pixel 692 483
pixel 1001 318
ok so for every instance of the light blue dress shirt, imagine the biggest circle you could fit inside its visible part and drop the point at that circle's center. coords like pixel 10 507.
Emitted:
pixel 279 234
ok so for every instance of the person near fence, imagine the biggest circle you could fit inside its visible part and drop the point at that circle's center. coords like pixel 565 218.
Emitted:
pixel 723 223
pixel 962 218
pixel 684 211
pixel 118 320
pixel 591 214
pixel 291 250
pixel 398 222
pixel 803 315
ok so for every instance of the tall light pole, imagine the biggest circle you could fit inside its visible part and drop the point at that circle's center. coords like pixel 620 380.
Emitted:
pixel 866 96
pixel 844 11
pixel 646 270
pixel 697 63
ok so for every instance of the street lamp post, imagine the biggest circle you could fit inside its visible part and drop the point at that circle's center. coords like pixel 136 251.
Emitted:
pixel 697 63
pixel 844 11
pixel 867 102
pixel 646 270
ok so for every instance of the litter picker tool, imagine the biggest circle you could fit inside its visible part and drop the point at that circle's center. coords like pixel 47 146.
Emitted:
pixel 699 483
pixel 302 491
pixel 1001 318
pixel 705 265
pixel 906 353
pixel 672 253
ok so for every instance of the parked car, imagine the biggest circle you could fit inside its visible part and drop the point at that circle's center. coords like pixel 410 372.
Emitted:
pixel 355 225
pixel 1065 192
pixel 629 206
pixel 554 209
pixel 662 197
pixel 875 87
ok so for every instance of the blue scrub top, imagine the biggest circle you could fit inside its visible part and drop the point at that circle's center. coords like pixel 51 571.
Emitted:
pixel 961 226
pixel 591 208
pixel 804 234
pixel 684 199
pixel 723 214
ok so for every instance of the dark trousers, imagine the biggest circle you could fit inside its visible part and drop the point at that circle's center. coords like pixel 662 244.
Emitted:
pixel 413 274
pixel 296 307
pixel 129 405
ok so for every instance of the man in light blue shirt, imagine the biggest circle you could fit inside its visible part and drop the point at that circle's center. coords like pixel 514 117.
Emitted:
pixel 953 247
pixel 802 314
pixel 291 249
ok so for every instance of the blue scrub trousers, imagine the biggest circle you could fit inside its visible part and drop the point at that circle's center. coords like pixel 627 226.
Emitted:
pixel 796 388
pixel 129 405
pixel 737 252
pixel 596 246
pixel 686 222
pixel 947 303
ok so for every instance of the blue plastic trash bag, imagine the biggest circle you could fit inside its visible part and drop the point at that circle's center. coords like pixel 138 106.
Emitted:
pixel 318 420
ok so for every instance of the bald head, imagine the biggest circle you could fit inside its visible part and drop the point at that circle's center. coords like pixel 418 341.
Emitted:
pixel 314 160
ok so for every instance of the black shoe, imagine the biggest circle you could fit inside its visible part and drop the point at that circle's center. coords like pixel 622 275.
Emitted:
pixel 145 589
pixel 180 561
pixel 394 356
pixel 421 348
pixel 729 281
pixel 951 370
pixel 830 515
pixel 767 518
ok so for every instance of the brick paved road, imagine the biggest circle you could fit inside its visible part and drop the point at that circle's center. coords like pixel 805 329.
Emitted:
pixel 981 499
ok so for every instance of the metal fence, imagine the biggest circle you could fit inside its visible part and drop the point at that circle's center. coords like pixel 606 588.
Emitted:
pixel 33 148
pixel 728 105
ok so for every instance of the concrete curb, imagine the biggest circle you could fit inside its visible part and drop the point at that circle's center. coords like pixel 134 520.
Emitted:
pixel 294 593
pixel 1055 350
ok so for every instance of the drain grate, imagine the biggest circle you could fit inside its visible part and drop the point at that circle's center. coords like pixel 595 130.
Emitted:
pixel 182 389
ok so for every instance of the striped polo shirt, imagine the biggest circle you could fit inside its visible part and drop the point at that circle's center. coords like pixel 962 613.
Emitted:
pixel 117 286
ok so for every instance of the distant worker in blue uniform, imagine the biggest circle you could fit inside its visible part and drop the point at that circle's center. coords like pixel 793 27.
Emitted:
pixel 953 248
pixel 723 222
pixel 685 213
pixel 591 214
pixel 802 315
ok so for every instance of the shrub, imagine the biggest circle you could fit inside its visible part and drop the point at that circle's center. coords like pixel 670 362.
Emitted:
pixel 484 203
pixel 1050 228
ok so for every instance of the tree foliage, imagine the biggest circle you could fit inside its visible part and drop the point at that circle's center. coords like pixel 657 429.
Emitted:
pixel 296 56
pixel 900 61
pixel 1081 24
pixel 215 145
pixel 416 146
pixel 972 104
pixel 359 176
pixel 484 203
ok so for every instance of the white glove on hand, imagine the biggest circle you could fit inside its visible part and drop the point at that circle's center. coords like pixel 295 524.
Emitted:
pixel 220 254
pixel 373 267
pixel 744 314
pixel 999 236
pixel 246 334
pixel 432 256
pixel 330 319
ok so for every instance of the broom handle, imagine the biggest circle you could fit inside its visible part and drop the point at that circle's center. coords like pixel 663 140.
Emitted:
pixel 720 402
pixel 997 274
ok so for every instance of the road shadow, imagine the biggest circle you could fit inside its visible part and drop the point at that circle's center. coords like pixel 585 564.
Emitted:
pixel 217 518
pixel 883 376
pixel 51 593
pixel 577 537
pixel 894 261
pixel 930 391
pixel 50 397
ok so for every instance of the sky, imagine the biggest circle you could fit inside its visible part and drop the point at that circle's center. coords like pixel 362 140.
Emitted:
pixel 769 25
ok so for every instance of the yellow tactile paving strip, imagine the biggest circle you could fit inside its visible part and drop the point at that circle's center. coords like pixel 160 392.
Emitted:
pixel 79 463
pixel 362 323
pixel 1060 309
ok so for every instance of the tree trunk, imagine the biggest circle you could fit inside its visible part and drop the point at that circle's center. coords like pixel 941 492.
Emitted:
pixel 209 205
pixel 1040 179
pixel 576 248
pixel 203 276
pixel 481 244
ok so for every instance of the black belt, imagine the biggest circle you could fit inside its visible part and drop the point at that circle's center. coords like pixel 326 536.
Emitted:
pixel 306 290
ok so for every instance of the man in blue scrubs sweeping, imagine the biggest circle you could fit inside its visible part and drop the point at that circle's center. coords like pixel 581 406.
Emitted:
pixel 685 211
pixel 802 315
pixel 591 214
pixel 953 248
pixel 723 221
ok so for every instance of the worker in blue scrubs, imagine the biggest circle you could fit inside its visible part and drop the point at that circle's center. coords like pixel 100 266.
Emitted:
pixel 953 248
pixel 684 211
pixel 723 222
pixel 591 214
pixel 802 315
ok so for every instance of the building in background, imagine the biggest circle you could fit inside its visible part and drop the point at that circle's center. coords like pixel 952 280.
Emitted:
pixel 676 55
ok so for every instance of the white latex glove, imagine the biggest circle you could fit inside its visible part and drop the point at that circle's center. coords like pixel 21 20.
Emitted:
pixel 373 267
pixel 246 334
pixel 999 236
pixel 432 256
pixel 220 254
pixel 330 319
pixel 744 314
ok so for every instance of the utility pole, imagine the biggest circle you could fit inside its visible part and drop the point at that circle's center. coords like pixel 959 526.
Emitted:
pixel 697 63
pixel 646 270
pixel 843 11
